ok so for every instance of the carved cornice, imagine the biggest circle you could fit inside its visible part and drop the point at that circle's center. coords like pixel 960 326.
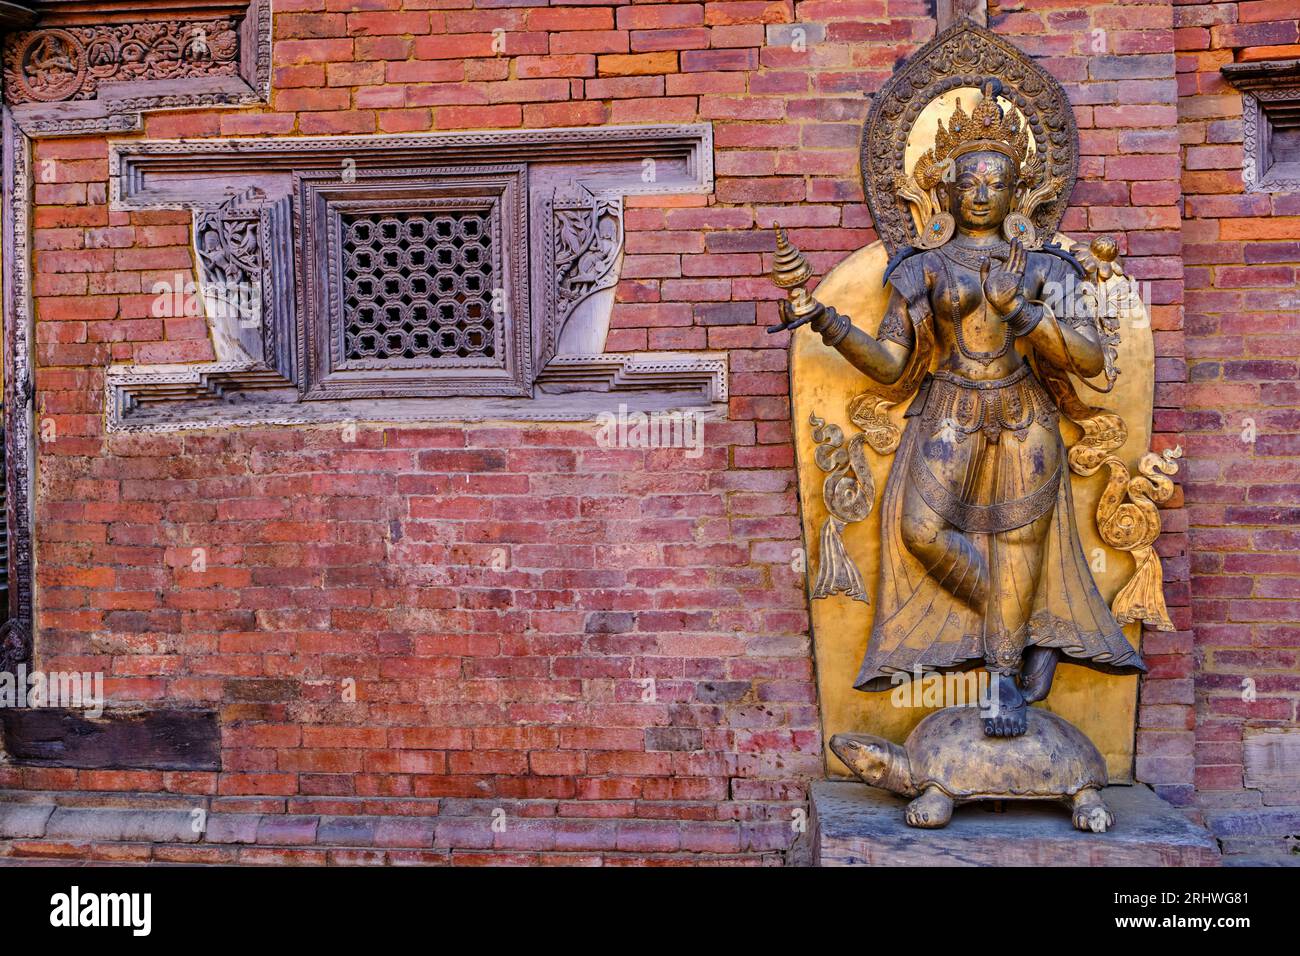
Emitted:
pixel 1262 74
pixel 161 174
pixel 615 371
pixel 169 398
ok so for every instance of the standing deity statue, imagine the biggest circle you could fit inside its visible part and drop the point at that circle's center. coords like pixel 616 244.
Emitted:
pixel 984 329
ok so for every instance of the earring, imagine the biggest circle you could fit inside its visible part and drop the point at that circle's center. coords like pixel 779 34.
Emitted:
pixel 1018 226
pixel 938 230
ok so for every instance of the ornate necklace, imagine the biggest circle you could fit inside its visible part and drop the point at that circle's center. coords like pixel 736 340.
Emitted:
pixel 972 256
pixel 954 303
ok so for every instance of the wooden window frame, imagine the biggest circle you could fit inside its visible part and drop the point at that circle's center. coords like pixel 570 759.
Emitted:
pixel 568 204
pixel 324 196
pixel 1270 99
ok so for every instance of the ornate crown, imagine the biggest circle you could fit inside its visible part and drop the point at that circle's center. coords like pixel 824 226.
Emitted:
pixel 985 128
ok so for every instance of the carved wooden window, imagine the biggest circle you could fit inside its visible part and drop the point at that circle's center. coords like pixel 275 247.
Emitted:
pixel 453 276
pixel 413 283
pixel 1270 107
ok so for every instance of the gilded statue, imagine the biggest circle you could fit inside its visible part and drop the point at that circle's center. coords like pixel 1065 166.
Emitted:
pixel 989 328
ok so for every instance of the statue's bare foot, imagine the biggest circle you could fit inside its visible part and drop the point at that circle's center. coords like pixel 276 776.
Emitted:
pixel 1091 812
pixel 1036 676
pixel 1006 712
pixel 930 810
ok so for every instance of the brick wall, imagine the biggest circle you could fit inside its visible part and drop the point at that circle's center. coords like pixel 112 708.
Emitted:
pixel 1242 251
pixel 522 688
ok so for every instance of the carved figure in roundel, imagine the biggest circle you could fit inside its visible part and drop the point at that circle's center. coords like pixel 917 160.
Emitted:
pixel 51 66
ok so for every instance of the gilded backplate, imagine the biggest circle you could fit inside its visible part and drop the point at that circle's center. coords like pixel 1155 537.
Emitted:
pixel 1101 705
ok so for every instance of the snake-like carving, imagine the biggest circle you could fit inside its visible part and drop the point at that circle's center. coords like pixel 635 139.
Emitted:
pixel 1131 525
pixel 849 493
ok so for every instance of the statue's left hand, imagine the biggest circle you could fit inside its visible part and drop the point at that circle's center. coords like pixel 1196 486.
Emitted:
pixel 1004 280
pixel 789 321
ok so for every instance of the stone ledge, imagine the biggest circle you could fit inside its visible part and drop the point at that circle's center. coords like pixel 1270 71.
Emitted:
pixel 857 825
pixel 156 828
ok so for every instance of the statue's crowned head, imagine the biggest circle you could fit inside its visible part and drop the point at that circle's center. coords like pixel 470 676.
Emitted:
pixel 986 128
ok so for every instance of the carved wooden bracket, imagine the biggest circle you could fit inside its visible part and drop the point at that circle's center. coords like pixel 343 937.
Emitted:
pixel 308 323
pixel 88 69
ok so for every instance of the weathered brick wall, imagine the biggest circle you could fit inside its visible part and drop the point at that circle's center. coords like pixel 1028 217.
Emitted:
pixel 1242 251
pixel 522 687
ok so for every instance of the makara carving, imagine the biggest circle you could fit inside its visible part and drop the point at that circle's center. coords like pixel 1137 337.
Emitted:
pixel 993 326
pixel 588 240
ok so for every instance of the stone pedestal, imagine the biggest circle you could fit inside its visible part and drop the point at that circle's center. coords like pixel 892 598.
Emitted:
pixel 857 825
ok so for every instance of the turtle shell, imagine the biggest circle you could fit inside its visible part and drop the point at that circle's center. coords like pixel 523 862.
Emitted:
pixel 949 749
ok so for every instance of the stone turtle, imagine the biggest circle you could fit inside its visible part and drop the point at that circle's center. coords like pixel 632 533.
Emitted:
pixel 947 759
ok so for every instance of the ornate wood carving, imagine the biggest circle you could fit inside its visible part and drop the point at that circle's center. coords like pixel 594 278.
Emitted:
pixel 70 63
pixel 180 174
pixel 423 286
pixel 16 632
pixel 335 186
pixel 245 253
pixel 586 238
pixel 704 373
pixel 229 250
pixel 1270 105
pixel 67 77
pixel 572 388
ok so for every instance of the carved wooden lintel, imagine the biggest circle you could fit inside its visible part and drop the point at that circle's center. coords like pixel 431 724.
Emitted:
pixel 185 174
pixel 92 71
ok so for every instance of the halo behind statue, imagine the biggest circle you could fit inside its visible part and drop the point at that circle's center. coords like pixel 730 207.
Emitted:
pixel 965 57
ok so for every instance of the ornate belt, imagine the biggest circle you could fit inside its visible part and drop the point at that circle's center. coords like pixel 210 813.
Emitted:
pixel 982 519
pixel 965 406
pixel 961 380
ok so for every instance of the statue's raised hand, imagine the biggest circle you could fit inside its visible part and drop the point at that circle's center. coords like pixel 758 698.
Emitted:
pixel 1003 280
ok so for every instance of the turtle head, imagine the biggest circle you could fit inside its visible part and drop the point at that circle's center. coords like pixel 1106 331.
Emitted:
pixel 875 760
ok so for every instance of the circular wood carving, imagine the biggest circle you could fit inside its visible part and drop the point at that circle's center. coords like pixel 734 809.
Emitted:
pixel 51 66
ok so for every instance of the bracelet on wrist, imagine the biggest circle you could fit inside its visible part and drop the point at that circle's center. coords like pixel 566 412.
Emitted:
pixel 1025 319
pixel 837 328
